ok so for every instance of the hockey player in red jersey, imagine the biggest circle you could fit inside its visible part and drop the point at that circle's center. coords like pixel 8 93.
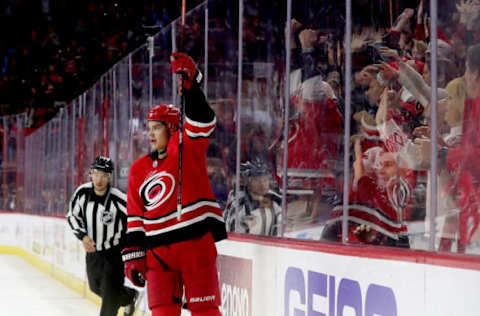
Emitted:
pixel 168 253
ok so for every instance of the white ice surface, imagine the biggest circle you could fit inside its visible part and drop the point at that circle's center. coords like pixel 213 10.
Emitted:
pixel 27 291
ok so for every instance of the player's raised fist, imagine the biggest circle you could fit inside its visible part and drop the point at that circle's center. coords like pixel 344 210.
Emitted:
pixel 184 65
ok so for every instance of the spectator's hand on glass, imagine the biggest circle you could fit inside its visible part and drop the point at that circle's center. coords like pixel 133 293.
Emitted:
pixel 358 167
pixel 365 117
pixel 424 132
pixel 308 37
pixel 359 41
pixel 420 12
pixel 388 53
pixel 422 148
pixel 365 233
pixel 294 27
pixel 376 35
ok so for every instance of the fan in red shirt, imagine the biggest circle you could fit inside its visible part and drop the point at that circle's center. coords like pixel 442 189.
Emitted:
pixel 379 201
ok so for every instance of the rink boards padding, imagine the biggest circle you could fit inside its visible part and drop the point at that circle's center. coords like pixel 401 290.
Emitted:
pixel 264 276
pixel 293 277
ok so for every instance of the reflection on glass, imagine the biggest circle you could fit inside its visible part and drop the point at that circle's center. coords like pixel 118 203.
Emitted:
pixel 140 100
pixel 388 101
pixel 11 162
pixel 316 119
pixel 222 91
pixel 458 215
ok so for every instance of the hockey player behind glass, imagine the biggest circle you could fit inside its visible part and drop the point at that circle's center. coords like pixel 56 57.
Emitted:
pixel 259 209
pixel 97 215
pixel 173 255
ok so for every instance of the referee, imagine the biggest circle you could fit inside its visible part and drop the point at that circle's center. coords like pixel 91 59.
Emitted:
pixel 98 217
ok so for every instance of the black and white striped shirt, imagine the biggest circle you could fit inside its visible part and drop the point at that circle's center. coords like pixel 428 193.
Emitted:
pixel 103 219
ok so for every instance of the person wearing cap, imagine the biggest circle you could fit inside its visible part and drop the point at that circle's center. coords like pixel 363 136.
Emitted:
pixel 171 247
pixel 98 218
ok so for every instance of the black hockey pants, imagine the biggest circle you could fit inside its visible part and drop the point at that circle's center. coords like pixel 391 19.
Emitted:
pixel 105 278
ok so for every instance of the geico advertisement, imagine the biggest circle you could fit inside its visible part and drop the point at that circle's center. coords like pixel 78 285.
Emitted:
pixel 296 282
pixel 313 293
pixel 318 283
pixel 235 278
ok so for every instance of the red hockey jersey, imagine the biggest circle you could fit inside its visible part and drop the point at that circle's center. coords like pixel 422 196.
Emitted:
pixel 314 138
pixel 383 209
pixel 152 193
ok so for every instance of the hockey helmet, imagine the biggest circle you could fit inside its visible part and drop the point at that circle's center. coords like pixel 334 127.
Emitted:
pixel 104 164
pixel 254 168
pixel 169 114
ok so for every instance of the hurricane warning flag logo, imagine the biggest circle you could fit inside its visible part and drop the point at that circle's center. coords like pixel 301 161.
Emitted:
pixel 156 189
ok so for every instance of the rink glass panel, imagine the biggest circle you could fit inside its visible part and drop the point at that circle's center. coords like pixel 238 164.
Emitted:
pixel 109 118
pixel 82 142
pixel 256 207
pixel 140 85
pixel 12 162
pixel 122 124
pixel 20 160
pixel 220 87
pixel 162 79
pixel 315 119
pixel 457 217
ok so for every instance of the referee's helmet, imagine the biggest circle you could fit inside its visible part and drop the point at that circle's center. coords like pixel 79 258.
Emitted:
pixel 104 164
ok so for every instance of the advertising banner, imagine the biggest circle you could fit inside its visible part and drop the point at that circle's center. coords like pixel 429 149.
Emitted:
pixel 298 282
pixel 235 277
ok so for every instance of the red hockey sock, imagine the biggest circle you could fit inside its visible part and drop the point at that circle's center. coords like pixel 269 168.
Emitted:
pixel 167 310
pixel 208 312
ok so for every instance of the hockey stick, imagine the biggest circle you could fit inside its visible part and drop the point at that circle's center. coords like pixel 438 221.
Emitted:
pixel 182 110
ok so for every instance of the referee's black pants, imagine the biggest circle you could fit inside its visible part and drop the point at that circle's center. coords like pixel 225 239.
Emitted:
pixel 105 278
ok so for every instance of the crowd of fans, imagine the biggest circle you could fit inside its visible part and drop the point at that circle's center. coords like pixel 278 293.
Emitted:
pixel 52 51
pixel 391 117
